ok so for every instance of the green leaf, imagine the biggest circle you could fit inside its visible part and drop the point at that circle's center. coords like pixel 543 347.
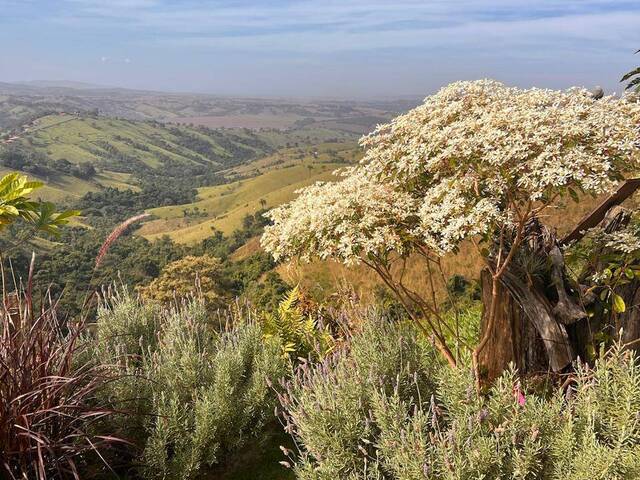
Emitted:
pixel 630 74
pixel 574 195
pixel 63 217
pixel 618 304
pixel 633 83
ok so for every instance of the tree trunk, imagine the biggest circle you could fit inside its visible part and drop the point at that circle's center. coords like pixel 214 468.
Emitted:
pixel 514 338
pixel 541 324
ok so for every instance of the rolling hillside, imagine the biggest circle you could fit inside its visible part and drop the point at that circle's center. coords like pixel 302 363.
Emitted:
pixel 77 154
pixel 272 180
pixel 20 103
pixel 100 140
pixel 236 171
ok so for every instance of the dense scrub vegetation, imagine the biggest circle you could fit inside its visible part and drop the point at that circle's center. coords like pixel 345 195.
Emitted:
pixel 112 205
pixel 68 271
pixel 39 164
pixel 196 391
pixel 386 409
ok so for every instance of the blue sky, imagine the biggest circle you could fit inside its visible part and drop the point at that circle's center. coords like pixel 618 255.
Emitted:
pixel 332 48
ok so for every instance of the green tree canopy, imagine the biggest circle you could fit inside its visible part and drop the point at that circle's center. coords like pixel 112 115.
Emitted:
pixel 191 275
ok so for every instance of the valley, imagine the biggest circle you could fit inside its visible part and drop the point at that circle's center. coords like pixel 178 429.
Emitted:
pixel 197 182
pixel 209 160
pixel 265 183
pixel 203 168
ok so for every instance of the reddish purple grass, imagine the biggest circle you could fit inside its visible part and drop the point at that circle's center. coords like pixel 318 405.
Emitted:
pixel 46 402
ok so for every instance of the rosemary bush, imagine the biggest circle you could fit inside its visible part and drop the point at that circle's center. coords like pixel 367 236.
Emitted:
pixel 328 405
pixel 383 410
pixel 195 394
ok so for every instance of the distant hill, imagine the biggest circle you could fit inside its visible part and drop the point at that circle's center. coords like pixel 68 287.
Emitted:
pixel 61 84
pixel 22 102
pixel 271 181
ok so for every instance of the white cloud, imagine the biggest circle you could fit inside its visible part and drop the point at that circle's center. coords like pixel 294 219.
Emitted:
pixel 310 26
pixel 593 32
pixel 341 45
pixel 333 15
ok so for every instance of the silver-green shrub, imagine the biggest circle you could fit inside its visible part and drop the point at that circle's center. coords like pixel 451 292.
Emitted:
pixel 199 393
pixel 382 410
pixel 329 405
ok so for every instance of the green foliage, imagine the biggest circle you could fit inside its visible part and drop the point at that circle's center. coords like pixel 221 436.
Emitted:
pixel 27 160
pixel 15 204
pixel 329 404
pixel 197 394
pixel 609 263
pixel 112 205
pixel 300 334
pixel 354 421
pixel 200 276
pixel 633 77
pixel 69 267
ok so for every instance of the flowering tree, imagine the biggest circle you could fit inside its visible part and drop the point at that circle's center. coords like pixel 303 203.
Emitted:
pixel 477 161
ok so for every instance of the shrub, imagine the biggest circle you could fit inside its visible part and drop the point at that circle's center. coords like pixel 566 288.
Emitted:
pixel 190 275
pixel 125 336
pixel 328 405
pixel 384 415
pixel 206 392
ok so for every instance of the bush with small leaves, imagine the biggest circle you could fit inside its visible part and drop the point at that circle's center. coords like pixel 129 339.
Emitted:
pixel 328 406
pixel 392 415
pixel 200 393
pixel 192 275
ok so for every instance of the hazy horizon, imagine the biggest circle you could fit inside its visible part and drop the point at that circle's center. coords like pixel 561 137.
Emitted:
pixel 332 49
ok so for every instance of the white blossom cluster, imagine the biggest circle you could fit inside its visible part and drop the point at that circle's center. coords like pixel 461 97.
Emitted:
pixel 346 220
pixel 624 241
pixel 458 165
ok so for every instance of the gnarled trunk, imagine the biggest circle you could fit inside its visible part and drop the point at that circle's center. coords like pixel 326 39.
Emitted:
pixel 541 324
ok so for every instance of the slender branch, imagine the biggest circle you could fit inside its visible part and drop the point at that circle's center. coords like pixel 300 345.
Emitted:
pixel 439 341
